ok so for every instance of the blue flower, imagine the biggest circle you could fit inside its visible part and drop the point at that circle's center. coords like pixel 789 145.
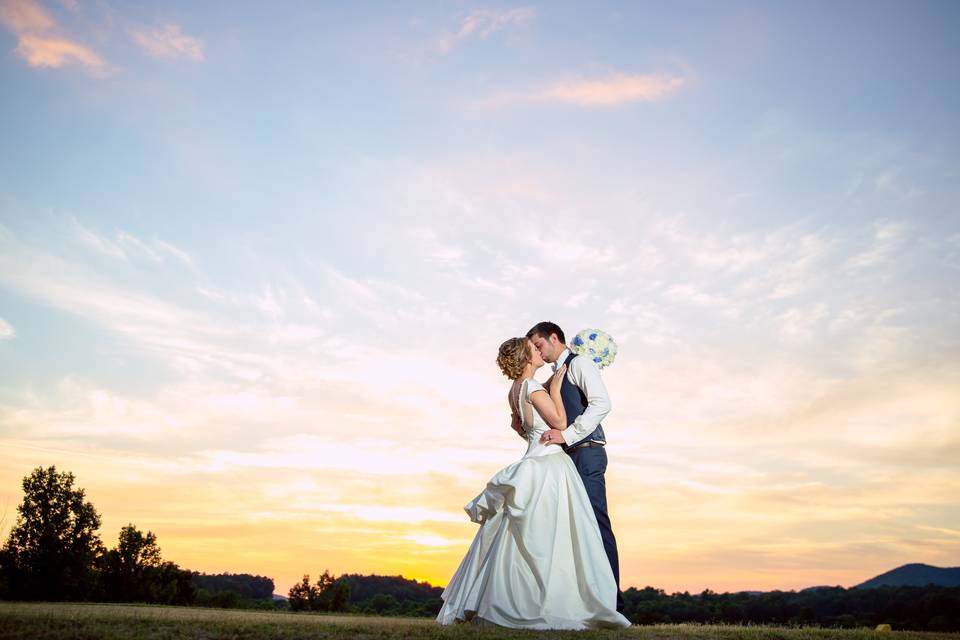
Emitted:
pixel 597 359
pixel 577 341
pixel 606 352
pixel 593 336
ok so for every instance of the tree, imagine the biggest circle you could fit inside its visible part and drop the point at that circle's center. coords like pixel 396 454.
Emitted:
pixel 167 583
pixel 332 594
pixel 52 549
pixel 382 603
pixel 302 595
pixel 328 594
pixel 125 570
pixel 4 562
pixel 248 587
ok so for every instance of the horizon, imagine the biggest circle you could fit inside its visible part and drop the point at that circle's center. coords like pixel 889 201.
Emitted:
pixel 255 266
pixel 626 587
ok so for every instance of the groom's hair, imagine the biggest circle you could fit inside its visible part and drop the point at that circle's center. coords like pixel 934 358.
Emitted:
pixel 544 329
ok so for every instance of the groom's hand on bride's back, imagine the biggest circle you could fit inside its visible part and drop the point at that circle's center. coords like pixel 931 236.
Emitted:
pixel 552 436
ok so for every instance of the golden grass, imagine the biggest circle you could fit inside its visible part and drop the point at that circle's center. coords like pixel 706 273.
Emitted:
pixel 88 621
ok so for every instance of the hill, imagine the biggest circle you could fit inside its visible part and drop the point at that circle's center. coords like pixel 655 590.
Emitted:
pixel 914 575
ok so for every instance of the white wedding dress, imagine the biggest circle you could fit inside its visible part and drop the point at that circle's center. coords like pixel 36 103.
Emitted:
pixel 537 561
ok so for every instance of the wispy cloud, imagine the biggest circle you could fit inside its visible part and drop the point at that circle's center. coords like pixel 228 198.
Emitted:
pixel 611 89
pixel 96 241
pixel 24 16
pixel 169 41
pixel 789 357
pixel 481 24
pixel 888 236
pixel 124 246
pixel 47 51
pixel 798 326
pixel 6 330
pixel 39 40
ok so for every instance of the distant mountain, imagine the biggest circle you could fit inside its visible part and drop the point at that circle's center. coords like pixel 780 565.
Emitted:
pixel 914 575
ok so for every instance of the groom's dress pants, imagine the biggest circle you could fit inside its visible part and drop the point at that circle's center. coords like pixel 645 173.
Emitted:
pixel 591 462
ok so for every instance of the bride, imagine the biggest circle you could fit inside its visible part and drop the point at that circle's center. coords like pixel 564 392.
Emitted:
pixel 537 561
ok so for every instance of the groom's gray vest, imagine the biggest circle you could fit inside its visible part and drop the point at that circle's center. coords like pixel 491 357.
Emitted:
pixel 575 403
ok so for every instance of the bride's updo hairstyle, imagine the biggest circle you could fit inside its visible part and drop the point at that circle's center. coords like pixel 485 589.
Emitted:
pixel 513 357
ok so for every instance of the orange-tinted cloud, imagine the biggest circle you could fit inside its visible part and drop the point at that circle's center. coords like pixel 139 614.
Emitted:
pixel 482 23
pixel 614 89
pixel 41 51
pixel 38 41
pixel 22 16
pixel 610 90
pixel 170 42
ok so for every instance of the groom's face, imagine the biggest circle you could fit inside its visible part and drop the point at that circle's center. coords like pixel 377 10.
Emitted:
pixel 548 347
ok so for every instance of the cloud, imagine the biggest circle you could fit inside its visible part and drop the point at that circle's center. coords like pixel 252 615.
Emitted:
pixel 176 252
pixel 170 42
pixel 97 242
pixel 710 409
pixel 613 89
pixel 24 16
pixel 73 287
pixel 887 238
pixel 798 326
pixel 437 249
pixel 38 40
pixel 125 246
pixel 43 51
pixel 481 24
pixel 6 330
pixel 154 250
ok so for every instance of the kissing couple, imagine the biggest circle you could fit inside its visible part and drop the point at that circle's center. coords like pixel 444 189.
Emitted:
pixel 545 556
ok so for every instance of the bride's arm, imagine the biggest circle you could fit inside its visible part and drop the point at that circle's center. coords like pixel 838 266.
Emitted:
pixel 550 407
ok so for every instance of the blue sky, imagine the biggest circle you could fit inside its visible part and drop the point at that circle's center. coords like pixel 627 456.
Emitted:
pixel 256 260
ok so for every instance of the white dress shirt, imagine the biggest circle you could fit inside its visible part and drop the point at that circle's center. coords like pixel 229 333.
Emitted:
pixel 585 375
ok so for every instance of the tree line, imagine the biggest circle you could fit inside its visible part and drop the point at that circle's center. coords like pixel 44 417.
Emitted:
pixel 929 608
pixel 54 553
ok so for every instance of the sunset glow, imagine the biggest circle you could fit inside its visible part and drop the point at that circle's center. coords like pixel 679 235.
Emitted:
pixel 256 262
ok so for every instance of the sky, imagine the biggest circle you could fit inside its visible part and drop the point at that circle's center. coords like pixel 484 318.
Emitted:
pixel 256 260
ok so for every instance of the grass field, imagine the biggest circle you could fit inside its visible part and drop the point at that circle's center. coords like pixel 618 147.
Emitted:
pixel 129 622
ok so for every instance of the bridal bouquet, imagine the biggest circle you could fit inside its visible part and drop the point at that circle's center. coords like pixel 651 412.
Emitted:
pixel 595 344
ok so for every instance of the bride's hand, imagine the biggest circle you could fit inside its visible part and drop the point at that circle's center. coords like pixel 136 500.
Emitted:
pixel 557 379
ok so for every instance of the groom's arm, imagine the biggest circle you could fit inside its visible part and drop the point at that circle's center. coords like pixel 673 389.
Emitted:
pixel 585 375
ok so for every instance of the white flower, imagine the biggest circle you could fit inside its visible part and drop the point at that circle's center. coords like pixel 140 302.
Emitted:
pixel 595 344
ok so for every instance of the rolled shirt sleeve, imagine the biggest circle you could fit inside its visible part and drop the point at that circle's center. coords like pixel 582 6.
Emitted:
pixel 584 374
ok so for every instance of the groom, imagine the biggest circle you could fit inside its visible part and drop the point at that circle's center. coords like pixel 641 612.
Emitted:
pixel 586 403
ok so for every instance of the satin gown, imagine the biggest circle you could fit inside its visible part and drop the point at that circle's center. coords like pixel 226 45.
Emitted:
pixel 537 561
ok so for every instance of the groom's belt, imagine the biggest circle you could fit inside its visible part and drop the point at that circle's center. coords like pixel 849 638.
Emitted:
pixel 588 443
